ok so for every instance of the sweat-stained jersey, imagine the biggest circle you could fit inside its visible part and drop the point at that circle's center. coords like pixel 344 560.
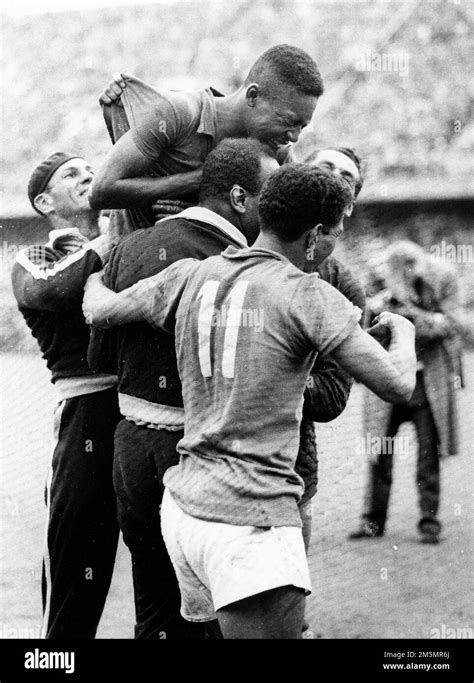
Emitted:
pixel 174 130
pixel 248 327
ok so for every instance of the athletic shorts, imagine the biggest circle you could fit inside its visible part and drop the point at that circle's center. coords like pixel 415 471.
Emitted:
pixel 217 564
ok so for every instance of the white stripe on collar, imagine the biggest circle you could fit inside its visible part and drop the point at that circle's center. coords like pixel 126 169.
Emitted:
pixel 200 213
pixel 60 232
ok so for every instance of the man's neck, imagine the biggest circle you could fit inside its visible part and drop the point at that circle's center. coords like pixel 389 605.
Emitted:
pixel 230 116
pixel 223 209
pixel 293 251
pixel 87 224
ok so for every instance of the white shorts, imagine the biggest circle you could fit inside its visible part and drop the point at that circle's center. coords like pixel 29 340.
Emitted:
pixel 218 564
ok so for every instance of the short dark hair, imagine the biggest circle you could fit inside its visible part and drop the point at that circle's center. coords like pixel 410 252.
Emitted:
pixel 233 161
pixel 297 197
pixel 349 152
pixel 287 65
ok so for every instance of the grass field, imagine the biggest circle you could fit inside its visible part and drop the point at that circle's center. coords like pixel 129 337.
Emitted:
pixel 392 587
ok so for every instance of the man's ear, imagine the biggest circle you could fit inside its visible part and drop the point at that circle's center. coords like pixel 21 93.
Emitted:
pixel 314 234
pixel 350 209
pixel 311 241
pixel 238 198
pixel 44 203
pixel 251 94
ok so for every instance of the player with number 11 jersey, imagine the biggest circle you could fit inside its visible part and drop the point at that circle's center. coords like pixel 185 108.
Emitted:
pixel 244 356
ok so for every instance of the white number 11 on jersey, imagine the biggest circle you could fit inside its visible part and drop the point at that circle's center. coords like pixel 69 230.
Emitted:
pixel 208 293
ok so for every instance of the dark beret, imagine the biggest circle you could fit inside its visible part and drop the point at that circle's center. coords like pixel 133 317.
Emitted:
pixel 42 174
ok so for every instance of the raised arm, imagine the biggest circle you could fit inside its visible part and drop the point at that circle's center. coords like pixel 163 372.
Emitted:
pixel 149 123
pixel 390 374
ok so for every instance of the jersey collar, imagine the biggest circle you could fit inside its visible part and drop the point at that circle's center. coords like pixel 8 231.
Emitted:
pixel 251 252
pixel 200 213
pixel 61 232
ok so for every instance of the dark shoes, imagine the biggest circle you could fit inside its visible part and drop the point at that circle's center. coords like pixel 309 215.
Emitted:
pixel 367 530
pixel 429 530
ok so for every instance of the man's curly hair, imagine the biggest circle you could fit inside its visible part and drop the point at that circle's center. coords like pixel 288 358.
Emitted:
pixel 233 161
pixel 297 197
pixel 287 65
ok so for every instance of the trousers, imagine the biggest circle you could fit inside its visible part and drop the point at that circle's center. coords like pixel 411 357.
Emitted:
pixel 418 411
pixel 82 531
pixel 142 456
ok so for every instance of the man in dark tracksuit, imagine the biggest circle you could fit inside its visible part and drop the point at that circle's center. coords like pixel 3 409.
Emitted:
pixel 149 386
pixel 327 392
pixel 329 386
pixel 48 282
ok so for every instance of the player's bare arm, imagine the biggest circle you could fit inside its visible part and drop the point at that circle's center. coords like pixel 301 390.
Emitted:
pixel 105 308
pixel 111 95
pixel 121 181
pixel 390 374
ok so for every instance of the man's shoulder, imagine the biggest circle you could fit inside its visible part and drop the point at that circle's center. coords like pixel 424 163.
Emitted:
pixel 185 105
pixel 40 255
pixel 337 274
pixel 332 270
pixel 291 283
pixel 36 251
pixel 310 292
pixel 148 251
pixel 176 230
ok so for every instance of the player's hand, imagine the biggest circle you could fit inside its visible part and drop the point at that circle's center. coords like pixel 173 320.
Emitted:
pixel 386 325
pixel 96 300
pixel 114 90
pixel 380 332
pixel 164 208
pixel 378 302
pixel 90 295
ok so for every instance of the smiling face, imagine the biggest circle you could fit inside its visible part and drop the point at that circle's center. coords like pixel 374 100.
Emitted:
pixel 278 120
pixel 340 164
pixel 68 188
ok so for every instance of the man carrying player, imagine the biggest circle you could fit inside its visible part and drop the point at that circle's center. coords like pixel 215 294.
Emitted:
pixel 229 515
pixel 150 395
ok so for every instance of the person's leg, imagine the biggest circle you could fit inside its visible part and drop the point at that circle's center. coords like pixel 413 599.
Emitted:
pixel 276 613
pixel 82 530
pixel 306 514
pixel 253 578
pixel 142 456
pixel 379 483
pixel 428 479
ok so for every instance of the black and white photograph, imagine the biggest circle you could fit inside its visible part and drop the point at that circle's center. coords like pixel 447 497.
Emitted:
pixel 236 333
